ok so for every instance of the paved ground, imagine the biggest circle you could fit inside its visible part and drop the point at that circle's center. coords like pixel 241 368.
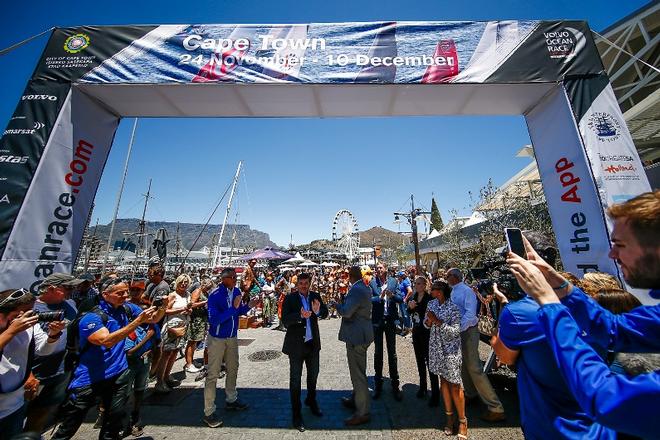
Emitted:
pixel 264 385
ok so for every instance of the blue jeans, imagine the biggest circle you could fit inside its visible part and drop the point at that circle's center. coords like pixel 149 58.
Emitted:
pixel 403 311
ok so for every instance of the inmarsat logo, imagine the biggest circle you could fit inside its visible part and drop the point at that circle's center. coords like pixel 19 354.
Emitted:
pixel 566 43
pixel 76 43
pixel 606 126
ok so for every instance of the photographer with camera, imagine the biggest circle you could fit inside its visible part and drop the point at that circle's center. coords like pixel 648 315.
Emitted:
pixel 51 305
pixel 20 341
pixel 97 339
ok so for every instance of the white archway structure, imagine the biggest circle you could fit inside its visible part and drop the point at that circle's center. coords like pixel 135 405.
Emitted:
pixel 90 77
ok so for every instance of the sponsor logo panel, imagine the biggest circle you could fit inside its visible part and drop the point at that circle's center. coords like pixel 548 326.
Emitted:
pixel 605 126
pixel 76 43
pixel 565 43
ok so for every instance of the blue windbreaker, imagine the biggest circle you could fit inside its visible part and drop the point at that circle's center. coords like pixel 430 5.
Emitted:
pixel 223 316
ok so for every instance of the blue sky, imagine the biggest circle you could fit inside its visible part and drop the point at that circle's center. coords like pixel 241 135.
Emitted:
pixel 298 172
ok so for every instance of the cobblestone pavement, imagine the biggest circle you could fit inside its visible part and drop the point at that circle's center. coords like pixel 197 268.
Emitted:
pixel 264 385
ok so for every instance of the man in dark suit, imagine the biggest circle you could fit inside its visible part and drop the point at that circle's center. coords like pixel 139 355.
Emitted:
pixel 302 343
pixel 358 333
pixel 385 302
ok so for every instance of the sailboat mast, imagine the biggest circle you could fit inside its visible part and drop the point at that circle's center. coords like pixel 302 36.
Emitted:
pixel 119 193
pixel 218 254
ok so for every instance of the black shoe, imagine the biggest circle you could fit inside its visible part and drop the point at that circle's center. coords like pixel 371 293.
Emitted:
pixel 348 402
pixel 298 424
pixel 314 408
pixel 212 421
pixel 398 395
pixel 421 393
pixel 236 405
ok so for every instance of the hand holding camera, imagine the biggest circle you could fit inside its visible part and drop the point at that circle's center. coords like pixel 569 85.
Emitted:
pixel 23 321
pixel 148 314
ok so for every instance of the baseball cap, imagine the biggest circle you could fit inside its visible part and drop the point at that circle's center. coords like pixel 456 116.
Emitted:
pixel 366 270
pixel 58 279
pixel 401 273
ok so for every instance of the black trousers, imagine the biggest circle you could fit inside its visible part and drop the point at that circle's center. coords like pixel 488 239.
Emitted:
pixel 113 393
pixel 310 357
pixel 420 339
pixel 388 329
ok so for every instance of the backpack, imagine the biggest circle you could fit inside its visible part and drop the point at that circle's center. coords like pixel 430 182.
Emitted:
pixel 73 350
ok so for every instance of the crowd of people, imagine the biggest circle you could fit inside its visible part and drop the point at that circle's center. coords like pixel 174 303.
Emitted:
pixel 96 342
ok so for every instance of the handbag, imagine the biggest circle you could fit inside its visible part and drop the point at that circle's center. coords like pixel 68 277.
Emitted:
pixel 487 325
pixel 176 332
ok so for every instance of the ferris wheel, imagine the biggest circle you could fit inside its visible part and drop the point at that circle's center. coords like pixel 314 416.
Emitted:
pixel 345 233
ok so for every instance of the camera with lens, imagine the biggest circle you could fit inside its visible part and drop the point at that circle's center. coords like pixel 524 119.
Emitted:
pixel 159 301
pixel 50 316
pixel 495 270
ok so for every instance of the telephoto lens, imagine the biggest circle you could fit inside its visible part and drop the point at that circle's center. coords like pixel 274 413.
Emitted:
pixel 51 316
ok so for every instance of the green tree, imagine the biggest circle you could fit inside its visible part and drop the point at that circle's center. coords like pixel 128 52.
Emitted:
pixel 436 218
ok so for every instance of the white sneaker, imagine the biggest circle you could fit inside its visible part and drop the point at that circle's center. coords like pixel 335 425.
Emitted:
pixel 190 368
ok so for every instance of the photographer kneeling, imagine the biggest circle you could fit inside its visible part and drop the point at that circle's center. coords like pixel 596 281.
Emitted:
pixel 102 374
pixel 20 340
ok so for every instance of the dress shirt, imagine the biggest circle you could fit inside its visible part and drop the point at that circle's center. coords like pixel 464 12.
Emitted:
pixel 308 324
pixel 466 300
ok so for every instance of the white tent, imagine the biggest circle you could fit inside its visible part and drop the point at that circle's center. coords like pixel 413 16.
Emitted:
pixel 329 264
pixel 308 264
pixel 297 259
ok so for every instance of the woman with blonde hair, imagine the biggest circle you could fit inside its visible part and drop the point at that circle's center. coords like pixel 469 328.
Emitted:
pixel 173 333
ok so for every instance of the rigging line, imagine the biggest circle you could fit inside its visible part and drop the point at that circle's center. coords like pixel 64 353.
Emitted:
pixel 6 50
pixel 247 193
pixel 625 51
pixel 205 225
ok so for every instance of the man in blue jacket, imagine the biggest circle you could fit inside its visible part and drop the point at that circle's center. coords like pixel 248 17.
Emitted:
pixel 571 321
pixel 225 305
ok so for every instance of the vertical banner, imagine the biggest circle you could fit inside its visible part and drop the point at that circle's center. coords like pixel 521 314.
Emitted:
pixel 22 145
pixel 48 229
pixel 570 190
pixel 615 165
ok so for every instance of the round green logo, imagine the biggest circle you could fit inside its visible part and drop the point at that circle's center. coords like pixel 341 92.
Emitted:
pixel 76 43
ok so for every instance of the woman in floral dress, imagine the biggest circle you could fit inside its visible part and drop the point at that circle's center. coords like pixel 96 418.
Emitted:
pixel 443 318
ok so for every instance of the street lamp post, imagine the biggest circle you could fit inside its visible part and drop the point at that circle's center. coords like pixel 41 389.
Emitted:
pixel 411 217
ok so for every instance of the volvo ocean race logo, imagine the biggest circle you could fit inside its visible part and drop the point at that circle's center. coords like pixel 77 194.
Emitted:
pixel 606 126
pixel 566 43
pixel 76 43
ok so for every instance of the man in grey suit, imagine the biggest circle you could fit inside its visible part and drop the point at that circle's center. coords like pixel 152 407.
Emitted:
pixel 357 332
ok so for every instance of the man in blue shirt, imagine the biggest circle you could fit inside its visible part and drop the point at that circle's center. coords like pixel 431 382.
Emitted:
pixel 385 302
pixel 475 381
pixel 225 305
pixel 406 291
pixel 102 374
pixel 612 400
